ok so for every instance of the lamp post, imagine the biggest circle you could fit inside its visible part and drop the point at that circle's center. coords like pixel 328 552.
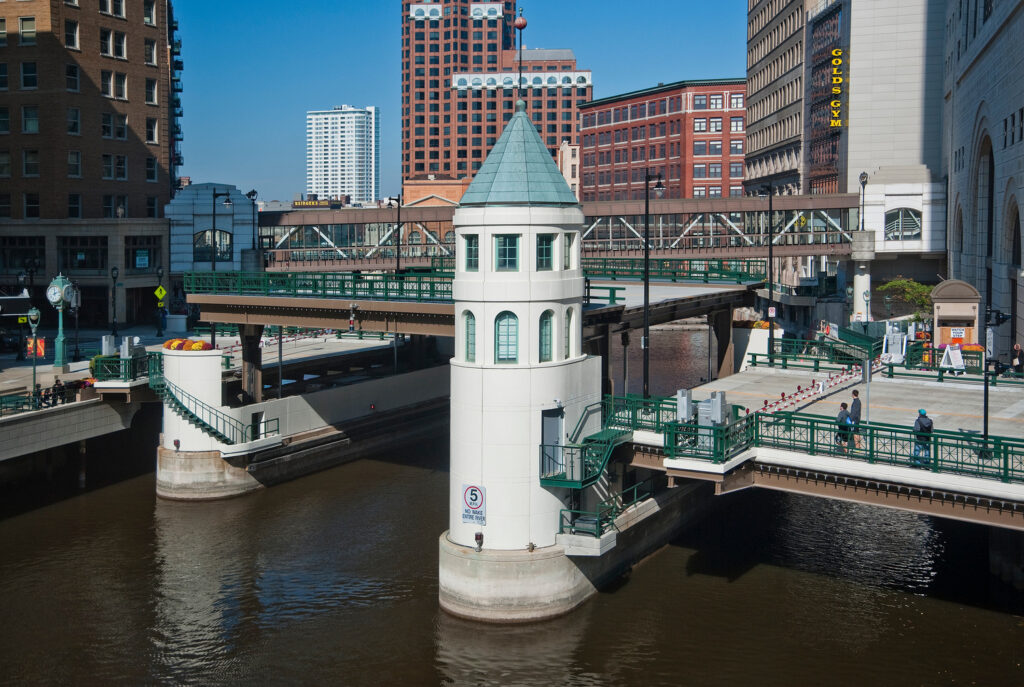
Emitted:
pixel 863 186
pixel 394 201
pixel 645 343
pixel 113 297
pixel 888 307
pixel 251 195
pixel 159 308
pixel 33 322
pixel 76 304
pixel 767 189
pixel 849 304
pixel 22 278
pixel 867 306
pixel 226 195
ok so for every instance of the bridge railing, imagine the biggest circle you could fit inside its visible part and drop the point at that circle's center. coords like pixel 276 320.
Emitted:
pixel 677 269
pixel 602 518
pixel 717 443
pixel 113 368
pixel 414 287
pixel 959 453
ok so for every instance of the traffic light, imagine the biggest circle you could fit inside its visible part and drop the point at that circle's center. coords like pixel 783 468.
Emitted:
pixel 995 317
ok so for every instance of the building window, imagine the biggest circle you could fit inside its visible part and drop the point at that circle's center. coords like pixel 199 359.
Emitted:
pixel 699 192
pixel 149 12
pixel 545 252
pixel 714 147
pixel 716 124
pixel 74 205
pixel 30 163
pixel 567 338
pixel 700 124
pixel 149 48
pixel 151 130
pixel 30 119
pixel 5 163
pixel 27 31
pixel 3 74
pixel 152 207
pixel 107 83
pixel 735 191
pixel 121 86
pixel 715 170
pixel 716 102
pixel 5 120
pixel 72 81
pixel 71 34
pixel 152 170
pixel 120 45
pixel 106 42
pixel 107 125
pixel 506 338
pixel 472 253
pixel 736 101
pixel 714 192
pixel 29 75
pixel 202 247
pixel 567 251
pixel 736 146
pixel 3 43
pixel 5 204
pixel 506 252
pixel 700 147
pixel 700 171
pixel 470 325
pixel 74 163
pixel 82 252
pixel 700 102
pixel 121 127
pixel 735 123
pixel 108 166
pixel 546 320
pixel 151 92
pixel 31 206
pixel 903 224
pixel 736 170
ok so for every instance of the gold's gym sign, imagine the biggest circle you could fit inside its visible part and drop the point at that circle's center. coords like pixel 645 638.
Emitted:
pixel 838 82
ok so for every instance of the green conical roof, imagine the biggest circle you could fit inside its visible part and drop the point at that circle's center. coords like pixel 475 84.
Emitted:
pixel 519 170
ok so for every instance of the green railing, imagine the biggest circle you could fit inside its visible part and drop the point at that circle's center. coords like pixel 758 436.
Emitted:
pixel 921 356
pixel 679 269
pixel 634 412
pixel 12 404
pixel 717 443
pixel 224 428
pixel 419 288
pixel 113 368
pixel 580 465
pixel 959 453
pixel 601 519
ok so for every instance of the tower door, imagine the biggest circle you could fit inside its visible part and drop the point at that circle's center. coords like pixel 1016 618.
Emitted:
pixel 551 439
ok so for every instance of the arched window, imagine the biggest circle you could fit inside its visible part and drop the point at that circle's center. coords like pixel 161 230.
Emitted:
pixel 202 246
pixel 545 335
pixel 902 224
pixel 470 337
pixel 449 237
pixel 567 343
pixel 506 338
pixel 1015 249
pixel 415 237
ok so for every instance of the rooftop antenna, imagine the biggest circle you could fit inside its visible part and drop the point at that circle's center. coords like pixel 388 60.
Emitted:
pixel 520 24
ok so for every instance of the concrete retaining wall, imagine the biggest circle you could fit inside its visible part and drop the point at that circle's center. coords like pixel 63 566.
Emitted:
pixel 37 431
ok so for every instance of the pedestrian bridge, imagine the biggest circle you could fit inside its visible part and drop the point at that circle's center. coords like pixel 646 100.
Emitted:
pixel 959 475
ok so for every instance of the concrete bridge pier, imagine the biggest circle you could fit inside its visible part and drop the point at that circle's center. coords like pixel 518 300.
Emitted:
pixel 252 363
pixel 721 322
pixel 1006 556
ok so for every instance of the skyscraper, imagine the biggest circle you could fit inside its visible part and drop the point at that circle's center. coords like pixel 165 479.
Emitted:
pixel 459 74
pixel 343 153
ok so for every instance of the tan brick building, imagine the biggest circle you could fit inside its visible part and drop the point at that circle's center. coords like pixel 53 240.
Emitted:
pixel 89 125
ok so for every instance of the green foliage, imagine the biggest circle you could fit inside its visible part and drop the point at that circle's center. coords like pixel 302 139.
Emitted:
pixel 916 296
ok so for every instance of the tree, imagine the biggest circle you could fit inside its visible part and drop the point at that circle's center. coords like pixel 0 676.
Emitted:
pixel 917 297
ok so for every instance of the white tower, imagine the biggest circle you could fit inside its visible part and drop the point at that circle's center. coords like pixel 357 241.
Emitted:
pixel 519 378
pixel 343 153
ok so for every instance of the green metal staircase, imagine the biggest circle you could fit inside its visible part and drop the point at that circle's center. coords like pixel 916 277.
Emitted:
pixel 222 427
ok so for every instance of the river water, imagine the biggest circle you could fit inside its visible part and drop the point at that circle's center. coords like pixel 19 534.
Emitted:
pixel 332 579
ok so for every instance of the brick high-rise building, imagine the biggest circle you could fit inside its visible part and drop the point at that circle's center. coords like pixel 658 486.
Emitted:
pixel 459 73
pixel 88 132
pixel 691 132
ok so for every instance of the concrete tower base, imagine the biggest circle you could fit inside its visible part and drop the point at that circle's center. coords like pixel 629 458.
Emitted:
pixel 523 586
pixel 199 476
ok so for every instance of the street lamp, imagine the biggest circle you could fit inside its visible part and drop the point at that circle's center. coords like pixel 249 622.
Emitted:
pixel 226 195
pixel 767 190
pixel 159 308
pixel 113 296
pixel 645 343
pixel 33 322
pixel 867 305
pixel 888 307
pixel 396 202
pixel 849 303
pixel 251 195
pixel 863 185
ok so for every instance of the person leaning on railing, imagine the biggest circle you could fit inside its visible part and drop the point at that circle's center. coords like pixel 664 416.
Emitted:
pixel 923 426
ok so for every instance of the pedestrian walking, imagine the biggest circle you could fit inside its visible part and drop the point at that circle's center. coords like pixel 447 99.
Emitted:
pixel 923 426
pixel 855 417
pixel 845 426
pixel 1017 360
pixel 58 391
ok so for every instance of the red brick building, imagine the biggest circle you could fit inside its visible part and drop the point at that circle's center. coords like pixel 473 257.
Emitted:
pixel 459 73
pixel 691 132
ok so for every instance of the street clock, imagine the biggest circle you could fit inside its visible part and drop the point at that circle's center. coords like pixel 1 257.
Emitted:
pixel 60 292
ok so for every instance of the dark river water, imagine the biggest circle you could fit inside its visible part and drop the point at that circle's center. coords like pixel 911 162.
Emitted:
pixel 332 579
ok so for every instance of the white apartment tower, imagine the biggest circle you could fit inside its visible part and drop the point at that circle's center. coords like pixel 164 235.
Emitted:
pixel 343 153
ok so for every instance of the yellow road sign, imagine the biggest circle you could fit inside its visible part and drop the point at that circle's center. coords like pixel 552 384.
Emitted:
pixel 159 304
pixel 160 292
pixel 22 320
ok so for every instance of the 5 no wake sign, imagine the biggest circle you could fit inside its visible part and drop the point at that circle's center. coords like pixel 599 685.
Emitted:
pixel 474 504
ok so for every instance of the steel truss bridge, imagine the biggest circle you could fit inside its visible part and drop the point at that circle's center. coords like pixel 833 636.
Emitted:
pixel 368 239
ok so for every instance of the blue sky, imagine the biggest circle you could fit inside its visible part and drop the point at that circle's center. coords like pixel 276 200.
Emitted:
pixel 253 69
